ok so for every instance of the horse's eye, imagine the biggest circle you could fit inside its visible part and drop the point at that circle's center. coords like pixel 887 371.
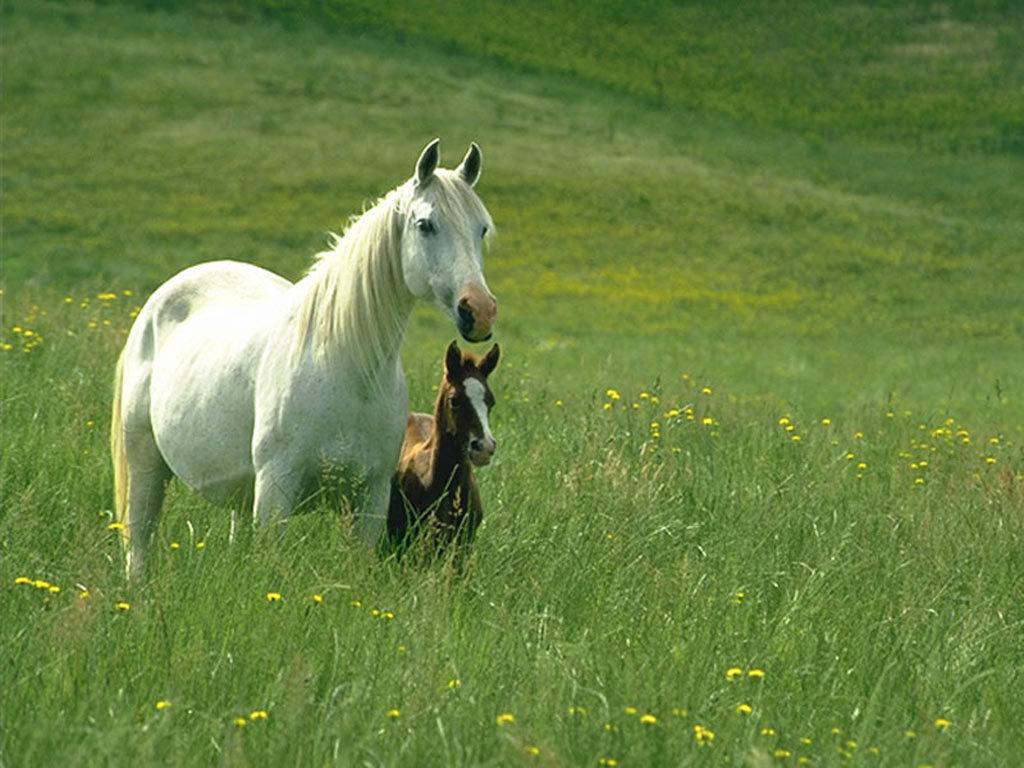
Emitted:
pixel 483 233
pixel 426 226
pixel 455 402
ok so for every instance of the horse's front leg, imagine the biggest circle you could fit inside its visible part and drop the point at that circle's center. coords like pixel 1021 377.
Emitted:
pixel 372 514
pixel 276 494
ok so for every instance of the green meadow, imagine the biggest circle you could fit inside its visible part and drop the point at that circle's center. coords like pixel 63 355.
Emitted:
pixel 759 492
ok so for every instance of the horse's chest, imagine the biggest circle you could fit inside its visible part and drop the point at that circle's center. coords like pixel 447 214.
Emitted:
pixel 369 435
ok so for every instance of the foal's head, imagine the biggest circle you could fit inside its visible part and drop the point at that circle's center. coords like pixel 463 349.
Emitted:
pixel 465 401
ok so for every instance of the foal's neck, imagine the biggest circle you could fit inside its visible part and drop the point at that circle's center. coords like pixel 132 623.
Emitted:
pixel 446 447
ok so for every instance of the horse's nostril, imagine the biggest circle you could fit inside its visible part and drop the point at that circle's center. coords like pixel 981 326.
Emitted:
pixel 476 446
pixel 465 317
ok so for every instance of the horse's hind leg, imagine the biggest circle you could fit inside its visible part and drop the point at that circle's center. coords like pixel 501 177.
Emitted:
pixel 147 476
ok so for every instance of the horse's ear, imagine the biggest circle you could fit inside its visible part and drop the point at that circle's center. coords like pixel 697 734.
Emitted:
pixel 469 169
pixel 490 361
pixel 452 361
pixel 427 163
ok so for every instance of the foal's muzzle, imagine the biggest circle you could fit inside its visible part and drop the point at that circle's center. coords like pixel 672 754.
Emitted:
pixel 481 450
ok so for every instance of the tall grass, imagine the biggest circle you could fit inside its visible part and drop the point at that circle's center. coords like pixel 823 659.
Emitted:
pixel 759 412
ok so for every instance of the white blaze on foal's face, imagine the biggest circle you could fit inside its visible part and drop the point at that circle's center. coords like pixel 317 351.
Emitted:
pixel 482 446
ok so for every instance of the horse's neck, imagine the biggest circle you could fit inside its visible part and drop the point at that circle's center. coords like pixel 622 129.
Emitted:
pixel 358 306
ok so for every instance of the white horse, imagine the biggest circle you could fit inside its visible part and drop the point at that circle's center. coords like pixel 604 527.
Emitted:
pixel 248 387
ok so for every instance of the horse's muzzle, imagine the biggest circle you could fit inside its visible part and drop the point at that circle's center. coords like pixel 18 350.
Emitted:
pixel 476 313
pixel 481 451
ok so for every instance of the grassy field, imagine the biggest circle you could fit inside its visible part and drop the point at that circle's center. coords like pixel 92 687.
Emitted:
pixel 758 495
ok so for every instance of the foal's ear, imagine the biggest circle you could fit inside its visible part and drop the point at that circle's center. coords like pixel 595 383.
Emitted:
pixel 452 361
pixel 469 169
pixel 427 163
pixel 490 361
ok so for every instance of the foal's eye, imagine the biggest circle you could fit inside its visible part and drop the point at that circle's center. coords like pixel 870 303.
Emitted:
pixel 483 233
pixel 426 226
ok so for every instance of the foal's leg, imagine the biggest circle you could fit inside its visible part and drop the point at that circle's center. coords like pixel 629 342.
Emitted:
pixel 147 478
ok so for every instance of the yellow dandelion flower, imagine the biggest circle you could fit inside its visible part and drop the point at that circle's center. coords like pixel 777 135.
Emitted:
pixel 53 589
pixel 115 527
pixel 612 394
pixel 942 723
pixel 784 421
pixel 23 580
pixel 732 673
pixel 648 719
pixel 258 714
pixel 795 438
pixel 577 711
pixel 910 734
pixel 175 545
pixel 756 673
pixel 240 721
pixel 767 731
pixel 858 435
pixel 805 741
pixel 163 704
pixel 106 296
pixel 826 421
pixel 782 753
pixel 387 615
pixel 678 711
pixel 123 606
pixel 834 730
pixel 274 597
pixel 990 459
pixel 629 710
pixel 318 599
pixel 607 406
pixel 356 603
pixel 505 718
pixel 394 714
pixel 200 544
pixel 918 481
pixel 559 403
pixel 706 391
pixel 744 709
pixel 703 736
pixel 851 744
pixel 608 761
pixel 83 595
pixel 850 457
pixel 454 684
pixel 707 421
pixel 531 750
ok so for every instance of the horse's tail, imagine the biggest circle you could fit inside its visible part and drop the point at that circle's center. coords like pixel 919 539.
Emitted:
pixel 117 454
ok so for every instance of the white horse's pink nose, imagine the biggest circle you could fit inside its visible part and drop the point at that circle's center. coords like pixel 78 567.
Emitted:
pixel 477 311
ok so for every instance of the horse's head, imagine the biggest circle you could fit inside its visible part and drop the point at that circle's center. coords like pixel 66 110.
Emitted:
pixel 443 234
pixel 466 401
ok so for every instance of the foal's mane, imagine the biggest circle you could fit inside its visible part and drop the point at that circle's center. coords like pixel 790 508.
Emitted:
pixel 356 296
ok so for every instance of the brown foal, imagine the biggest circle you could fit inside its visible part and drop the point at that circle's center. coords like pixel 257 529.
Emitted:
pixel 434 491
